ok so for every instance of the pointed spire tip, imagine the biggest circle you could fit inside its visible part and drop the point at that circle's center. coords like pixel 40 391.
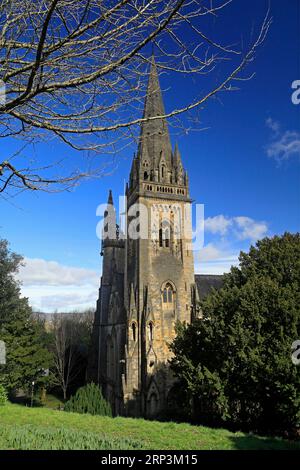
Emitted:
pixel 110 198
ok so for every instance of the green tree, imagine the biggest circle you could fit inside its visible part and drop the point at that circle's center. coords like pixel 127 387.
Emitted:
pixel 89 399
pixel 26 358
pixel 235 363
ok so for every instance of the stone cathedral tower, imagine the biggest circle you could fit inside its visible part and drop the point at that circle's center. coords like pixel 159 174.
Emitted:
pixel 148 281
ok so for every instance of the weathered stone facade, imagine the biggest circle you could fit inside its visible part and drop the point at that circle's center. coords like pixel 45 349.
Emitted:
pixel 147 283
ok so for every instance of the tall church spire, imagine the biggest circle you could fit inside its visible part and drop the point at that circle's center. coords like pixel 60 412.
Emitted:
pixel 110 221
pixel 155 144
pixel 110 198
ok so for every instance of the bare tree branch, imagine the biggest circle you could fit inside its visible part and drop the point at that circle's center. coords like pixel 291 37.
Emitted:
pixel 76 70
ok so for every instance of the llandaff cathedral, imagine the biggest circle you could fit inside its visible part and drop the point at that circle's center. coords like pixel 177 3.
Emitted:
pixel 148 282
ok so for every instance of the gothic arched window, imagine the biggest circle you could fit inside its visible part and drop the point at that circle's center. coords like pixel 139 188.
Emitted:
pixel 133 330
pixel 165 234
pixel 168 294
pixel 150 330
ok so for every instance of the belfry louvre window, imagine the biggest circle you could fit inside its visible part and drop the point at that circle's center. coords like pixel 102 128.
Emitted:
pixel 167 238
pixel 160 237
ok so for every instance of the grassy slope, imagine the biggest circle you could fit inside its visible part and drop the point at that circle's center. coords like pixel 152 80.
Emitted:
pixel 152 434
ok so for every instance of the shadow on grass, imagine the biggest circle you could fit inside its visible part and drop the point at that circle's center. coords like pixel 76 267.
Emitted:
pixel 26 401
pixel 260 443
pixel 50 401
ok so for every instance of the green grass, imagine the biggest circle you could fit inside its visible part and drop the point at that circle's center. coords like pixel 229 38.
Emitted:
pixel 30 437
pixel 52 402
pixel 42 428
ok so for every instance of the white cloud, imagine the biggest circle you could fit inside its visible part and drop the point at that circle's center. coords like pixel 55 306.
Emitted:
pixel 214 260
pixel 64 299
pixel 283 145
pixel 52 286
pixel 209 252
pixel 41 272
pixel 217 224
pixel 273 125
pixel 250 229
pixel 286 146
pixel 222 252
pixel 240 227
pixel 218 266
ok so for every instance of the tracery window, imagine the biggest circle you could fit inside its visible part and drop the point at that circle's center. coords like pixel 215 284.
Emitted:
pixel 165 234
pixel 168 294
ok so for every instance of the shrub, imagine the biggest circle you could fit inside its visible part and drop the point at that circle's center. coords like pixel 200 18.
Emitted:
pixel 89 399
pixel 3 396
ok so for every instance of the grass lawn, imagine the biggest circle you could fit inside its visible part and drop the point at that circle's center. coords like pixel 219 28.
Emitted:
pixel 25 428
pixel 52 402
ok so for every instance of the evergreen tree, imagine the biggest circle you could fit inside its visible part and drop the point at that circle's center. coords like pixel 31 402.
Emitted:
pixel 26 358
pixel 89 399
pixel 235 364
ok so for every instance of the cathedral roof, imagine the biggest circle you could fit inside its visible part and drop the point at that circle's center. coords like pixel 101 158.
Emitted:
pixel 206 282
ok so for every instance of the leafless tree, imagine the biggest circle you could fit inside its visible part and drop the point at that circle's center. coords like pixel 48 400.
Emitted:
pixel 71 332
pixel 76 70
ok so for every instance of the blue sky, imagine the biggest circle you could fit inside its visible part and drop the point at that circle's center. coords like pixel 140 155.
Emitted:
pixel 244 167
